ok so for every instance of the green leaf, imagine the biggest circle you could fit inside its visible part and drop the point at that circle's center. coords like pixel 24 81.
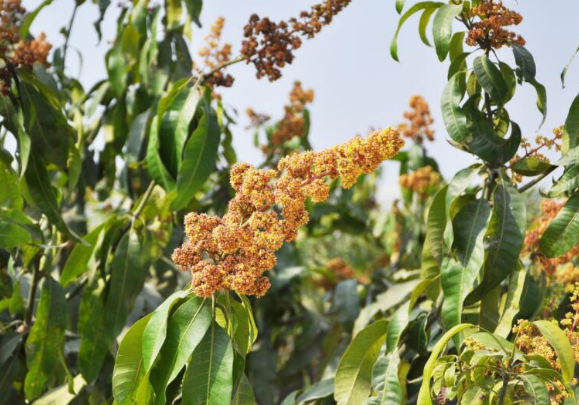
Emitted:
pixel 12 235
pixel 442 28
pixel 541 99
pixel 572 123
pixel 346 301
pixel 30 17
pixel 199 158
pixel 127 277
pixel 504 239
pixel 184 120
pixel 491 79
pixel 559 341
pixel 536 388
pixel 489 146
pixel 386 382
pixel 525 62
pixel 411 11
pixel 424 397
pixel 9 192
pixel 117 70
pixel 174 11
pixel 514 299
pixel 400 6
pixel 564 72
pixel 569 181
pixel 62 395
pixel 453 116
pixel 45 342
pixel 563 232
pixel 77 262
pixel 423 24
pixel 194 10
pixel 458 276
pixel 187 326
pixel 397 324
pixel 129 373
pixel 244 393
pixel 531 166
pixel 319 390
pixel 353 381
pixel 155 165
pixel 208 378
pixel 155 331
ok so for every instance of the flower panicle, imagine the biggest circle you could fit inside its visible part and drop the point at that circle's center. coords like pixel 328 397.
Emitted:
pixel 232 252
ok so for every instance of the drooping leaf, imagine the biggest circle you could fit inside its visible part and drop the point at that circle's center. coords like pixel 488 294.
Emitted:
pixel 155 165
pixel 564 72
pixel 452 114
pixel 569 181
pixel 186 328
pixel 563 232
pixel 46 340
pixel 491 79
pixel 514 300
pixel 442 28
pixel 129 374
pixel 209 375
pixel 353 381
pixel 319 390
pixel 9 193
pixel 77 262
pixel 572 123
pixel 560 342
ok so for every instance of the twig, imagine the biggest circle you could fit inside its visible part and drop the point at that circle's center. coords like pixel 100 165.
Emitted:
pixel 538 179
pixel 68 30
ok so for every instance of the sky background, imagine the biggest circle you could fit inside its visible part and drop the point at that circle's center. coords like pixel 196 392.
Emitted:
pixel 357 84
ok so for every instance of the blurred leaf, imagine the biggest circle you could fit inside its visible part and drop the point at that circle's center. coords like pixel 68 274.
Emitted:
pixel 563 231
pixel 530 166
pixel 9 192
pixel 423 24
pixel 564 72
pixel 194 10
pixel 400 6
pixel 386 382
pixel 187 326
pixel 569 181
pixel 208 377
pixel 130 379
pixel 77 262
pixel 319 390
pixel 353 381
pixel 536 388
pixel 244 393
pixel 572 123
pixel 514 300
pixel 12 235
pixel 346 301
pixel 117 70
pixel 62 395
pixel 103 5
pixel 46 340
pixel 442 28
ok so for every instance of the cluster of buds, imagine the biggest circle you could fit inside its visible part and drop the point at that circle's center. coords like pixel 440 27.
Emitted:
pixel 549 210
pixel 14 51
pixel 422 181
pixel 542 143
pixel 215 55
pixel 270 45
pixel 489 31
pixel 232 252
pixel 419 122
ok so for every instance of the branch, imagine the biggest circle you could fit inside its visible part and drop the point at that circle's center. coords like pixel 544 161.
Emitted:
pixel 538 179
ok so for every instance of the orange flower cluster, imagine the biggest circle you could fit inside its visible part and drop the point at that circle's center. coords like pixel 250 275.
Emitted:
pixel 17 53
pixel 213 55
pixel 422 181
pixel 340 269
pixel 489 32
pixel 550 209
pixel 256 120
pixel 419 121
pixel 270 45
pixel 233 252
pixel 541 143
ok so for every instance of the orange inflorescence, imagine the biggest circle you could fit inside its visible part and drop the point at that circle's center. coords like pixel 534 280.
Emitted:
pixel 270 45
pixel 550 209
pixel 340 269
pixel 17 53
pixel 419 121
pixel 233 252
pixel 542 143
pixel 215 55
pixel 489 31
pixel 421 181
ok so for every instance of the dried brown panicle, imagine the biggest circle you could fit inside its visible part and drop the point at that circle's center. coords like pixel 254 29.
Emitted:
pixel 489 31
pixel 270 45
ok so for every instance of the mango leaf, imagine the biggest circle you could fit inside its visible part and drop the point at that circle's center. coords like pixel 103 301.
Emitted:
pixel 116 69
pixel 559 341
pixel 62 395
pixel 194 10
pixel 423 25
pixel 77 262
pixel 155 165
pixel 541 99
pixel 187 326
pixel 46 340
pixel 514 300
pixel 530 166
pixel 346 301
pixel 536 388
pixel 353 381
pixel 386 382
pixel 489 146
pixel 424 397
pixel 458 276
pixel 569 181
pixel 9 193
pixel 319 390
pixel 12 235
pixel 442 28
pixel 563 232
pixel 155 331
pixel 397 324
pixel 453 116
pixel 129 375
pixel 491 79
pixel 208 378
pixel 504 239
pixel 527 71
pixel 564 72
pixel 244 393
pixel 199 158
pixel 411 11
pixel 572 123
pixel 93 331
pixel 400 6
pixel 127 277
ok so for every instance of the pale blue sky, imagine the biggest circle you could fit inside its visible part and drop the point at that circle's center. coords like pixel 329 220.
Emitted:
pixel 357 84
